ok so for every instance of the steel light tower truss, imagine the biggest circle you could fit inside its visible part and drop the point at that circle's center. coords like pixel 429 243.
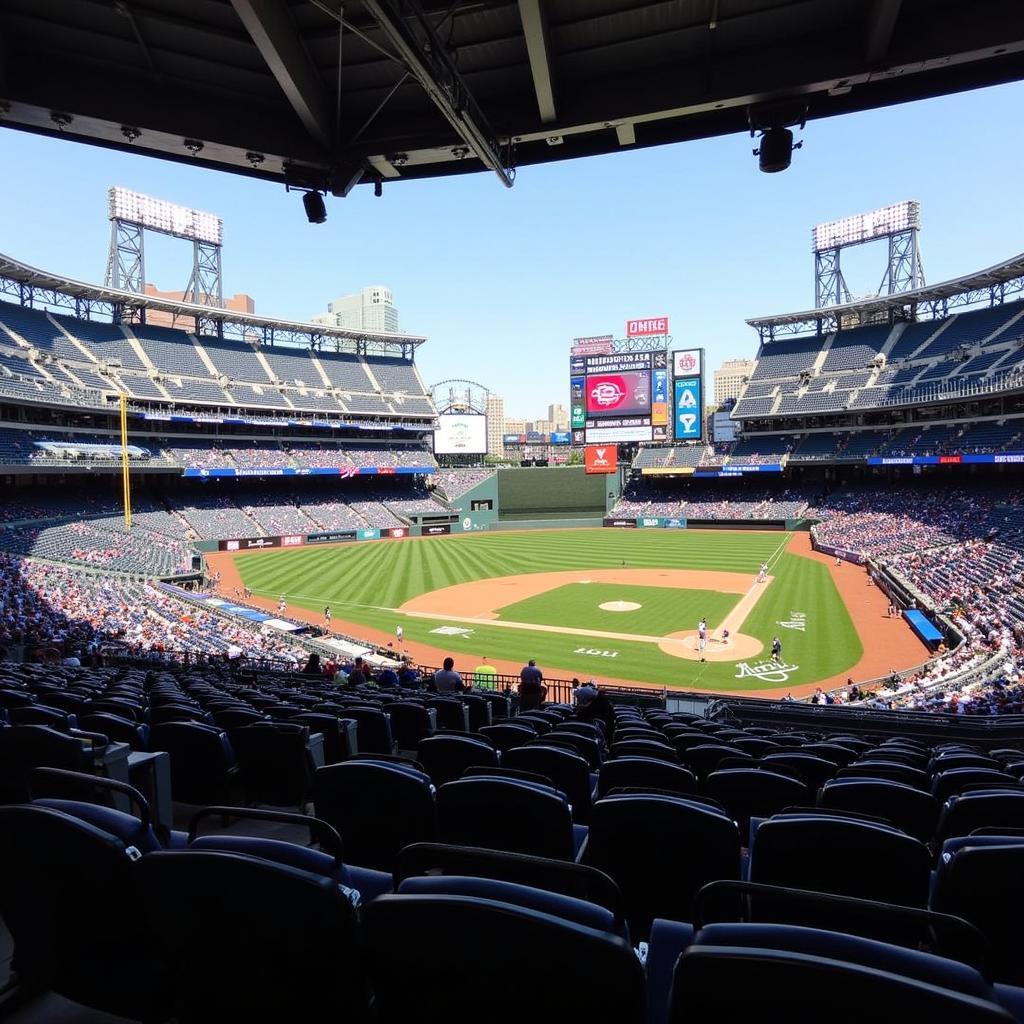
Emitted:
pixel 131 215
pixel 457 396
pixel 898 224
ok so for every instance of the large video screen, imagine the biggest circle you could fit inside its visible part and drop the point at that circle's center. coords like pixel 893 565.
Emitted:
pixel 619 397
pixel 625 394
pixel 458 434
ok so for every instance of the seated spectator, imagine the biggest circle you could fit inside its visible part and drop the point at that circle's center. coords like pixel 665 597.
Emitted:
pixel 447 680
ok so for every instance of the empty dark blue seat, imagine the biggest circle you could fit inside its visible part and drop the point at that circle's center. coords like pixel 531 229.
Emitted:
pixel 377 807
pixel 564 769
pixel 69 898
pixel 507 814
pixel 911 810
pixel 732 972
pixel 826 854
pixel 644 773
pixel 202 761
pixel 506 973
pixel 446 756
pixel 245 938
pixel 24 747
pixel 661 850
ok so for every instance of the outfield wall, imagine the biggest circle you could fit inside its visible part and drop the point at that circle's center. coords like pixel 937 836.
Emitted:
pixel 542 491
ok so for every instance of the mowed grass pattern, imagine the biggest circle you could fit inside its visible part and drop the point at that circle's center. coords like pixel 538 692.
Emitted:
pixel 662 610
pixel 364 582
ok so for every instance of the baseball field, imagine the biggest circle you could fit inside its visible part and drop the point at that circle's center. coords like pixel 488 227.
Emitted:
pixel 594 602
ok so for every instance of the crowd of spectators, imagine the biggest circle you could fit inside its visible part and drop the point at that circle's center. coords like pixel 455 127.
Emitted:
pixel 962 553
pixel 79 613
pixel 696 502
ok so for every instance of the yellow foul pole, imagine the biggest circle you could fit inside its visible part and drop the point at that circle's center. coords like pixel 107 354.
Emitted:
pixel 126 486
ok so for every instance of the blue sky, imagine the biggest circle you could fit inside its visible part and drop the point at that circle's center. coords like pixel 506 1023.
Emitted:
pixel 500 280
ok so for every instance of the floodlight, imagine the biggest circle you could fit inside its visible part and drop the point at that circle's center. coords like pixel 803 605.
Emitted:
pixel 776 150
pixel 316 211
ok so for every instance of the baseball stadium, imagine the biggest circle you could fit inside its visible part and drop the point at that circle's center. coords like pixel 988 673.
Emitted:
pixel 721 702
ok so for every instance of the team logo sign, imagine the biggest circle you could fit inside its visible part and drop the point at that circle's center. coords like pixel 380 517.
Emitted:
pixel 607 393
pixel 766 671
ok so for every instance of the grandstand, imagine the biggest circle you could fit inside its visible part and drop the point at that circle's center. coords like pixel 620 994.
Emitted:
pixel 219 804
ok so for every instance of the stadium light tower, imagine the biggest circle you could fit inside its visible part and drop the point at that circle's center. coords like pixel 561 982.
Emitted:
pixel 132 214
pixel 904 270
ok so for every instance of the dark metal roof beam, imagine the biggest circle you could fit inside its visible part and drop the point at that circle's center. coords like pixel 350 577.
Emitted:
pixel 272 31
pixel 538 48
pixel 881 23
pixel 429 63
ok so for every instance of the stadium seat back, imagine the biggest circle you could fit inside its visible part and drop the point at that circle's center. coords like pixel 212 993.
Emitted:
pixel 249 939
pixel 446 756
pixel 377 807
pixel 506 814
pixel 508 942
pixel 69 899
pixel 661 850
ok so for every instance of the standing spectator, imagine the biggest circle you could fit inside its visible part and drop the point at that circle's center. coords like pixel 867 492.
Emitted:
pixel 483 675
pixel 532 690
pixel 448 680
pixel 327 616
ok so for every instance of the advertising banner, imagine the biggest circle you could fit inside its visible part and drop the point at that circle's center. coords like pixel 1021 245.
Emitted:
pixel 647 327
pixel 368 534
pixel 560 437
pixel 687 362
pixel 601 458
pixel 688 410
pixel 249 544
pixel 295 540
pixel 437 530
pixel 621 524
pixel 395 533
pixel 595 346
pixel 330 536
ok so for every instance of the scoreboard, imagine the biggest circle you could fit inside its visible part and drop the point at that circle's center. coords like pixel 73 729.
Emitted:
pixel 619 397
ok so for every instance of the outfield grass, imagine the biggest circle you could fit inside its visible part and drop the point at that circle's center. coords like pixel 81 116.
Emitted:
pixel 662 610
pixel 365 582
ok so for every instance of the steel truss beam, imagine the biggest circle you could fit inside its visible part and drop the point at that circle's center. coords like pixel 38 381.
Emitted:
pixel 412 34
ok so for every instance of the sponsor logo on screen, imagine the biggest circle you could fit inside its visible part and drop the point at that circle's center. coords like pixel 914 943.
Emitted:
pixel 231 545
pixel 686 362
pixel 291 542
pixel 649 326
pixel 398 532
pixel 437 530
pixel 602 458
pixel 608 393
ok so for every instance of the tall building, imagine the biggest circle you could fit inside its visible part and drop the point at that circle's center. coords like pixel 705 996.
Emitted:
pixel 515 426
pixel 729 378
pixel 495 424
pixel 238 303
pixel 559 415
pixel 372 309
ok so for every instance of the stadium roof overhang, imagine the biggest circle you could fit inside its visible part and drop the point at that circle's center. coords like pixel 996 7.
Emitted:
pixel 28 285
pixel 993 285
pixel 324 95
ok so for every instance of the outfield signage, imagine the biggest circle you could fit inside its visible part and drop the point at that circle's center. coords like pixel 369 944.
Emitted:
pixel 622 524
pixel 987 458
pixel 660 522
pixel 437 530
pixel 248 543
pixel 735 471
pixel 330 536
pixel 342 471
pixel 666 470
pixel 601 458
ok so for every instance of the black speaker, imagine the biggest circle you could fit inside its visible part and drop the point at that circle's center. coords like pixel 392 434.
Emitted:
pixel 197 563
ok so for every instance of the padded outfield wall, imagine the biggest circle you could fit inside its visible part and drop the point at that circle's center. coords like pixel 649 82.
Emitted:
pixel 553 492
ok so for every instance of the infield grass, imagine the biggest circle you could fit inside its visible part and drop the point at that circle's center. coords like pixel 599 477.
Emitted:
pixel 662 610
pixel 364 583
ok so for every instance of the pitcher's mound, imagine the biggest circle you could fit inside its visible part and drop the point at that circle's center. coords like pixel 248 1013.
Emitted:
pixel 684 645
pixel 619 606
